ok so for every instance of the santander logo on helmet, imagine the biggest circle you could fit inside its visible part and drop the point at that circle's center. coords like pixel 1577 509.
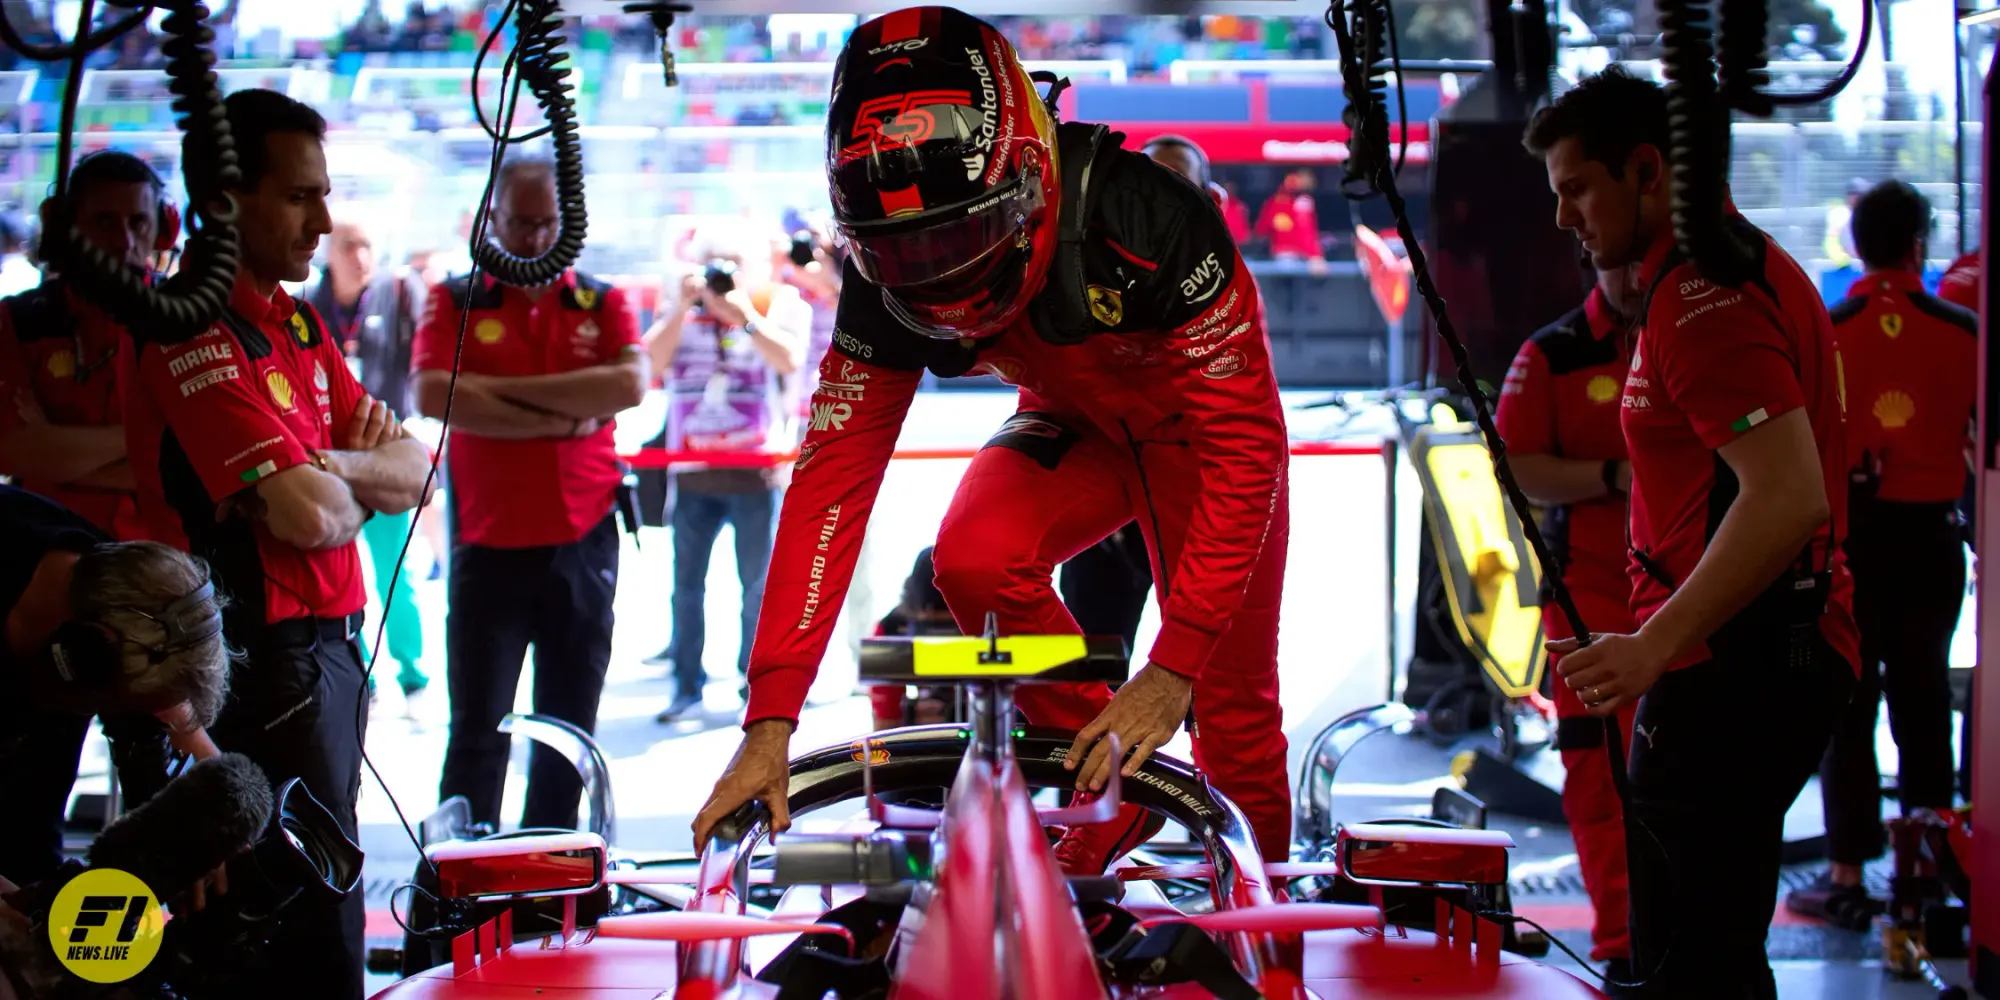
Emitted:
pixel 942 168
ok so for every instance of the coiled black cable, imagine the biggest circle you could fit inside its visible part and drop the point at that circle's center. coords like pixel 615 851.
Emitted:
pixel 538 61
pixel 1740 75
pixel 1368 51
pixel 1698 135
pixel 182 306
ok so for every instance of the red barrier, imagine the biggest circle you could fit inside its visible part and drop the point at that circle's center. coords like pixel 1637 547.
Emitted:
pixel 660 458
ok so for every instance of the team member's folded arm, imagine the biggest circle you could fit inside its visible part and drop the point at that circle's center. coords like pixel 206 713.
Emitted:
pixel 476 408
pixel 35 450
pixel 381 463
pixel 305 508
pixel 597 393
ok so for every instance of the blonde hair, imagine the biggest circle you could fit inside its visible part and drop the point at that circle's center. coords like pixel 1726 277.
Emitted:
pixel 119 586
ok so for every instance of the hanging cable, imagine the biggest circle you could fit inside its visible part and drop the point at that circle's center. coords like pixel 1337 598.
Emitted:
pixel 539 62
pixel 1838 83
pixel 556 105
pixel 185 304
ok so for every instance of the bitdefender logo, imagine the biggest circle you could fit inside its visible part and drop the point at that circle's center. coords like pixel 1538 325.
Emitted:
pixel 989 111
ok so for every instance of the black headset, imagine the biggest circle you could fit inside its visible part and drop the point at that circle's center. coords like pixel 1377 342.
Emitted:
pixel 90 655
pixel 168 229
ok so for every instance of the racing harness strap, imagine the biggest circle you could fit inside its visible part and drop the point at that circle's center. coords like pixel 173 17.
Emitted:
pixel 1061 313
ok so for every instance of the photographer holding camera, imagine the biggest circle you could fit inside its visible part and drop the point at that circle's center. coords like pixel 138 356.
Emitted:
pixel 725 350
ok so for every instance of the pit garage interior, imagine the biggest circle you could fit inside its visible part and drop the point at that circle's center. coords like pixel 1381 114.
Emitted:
pixel 1411 600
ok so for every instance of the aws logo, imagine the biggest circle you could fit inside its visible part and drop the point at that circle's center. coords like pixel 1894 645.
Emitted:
pixel 1695 289
pixel 1206 280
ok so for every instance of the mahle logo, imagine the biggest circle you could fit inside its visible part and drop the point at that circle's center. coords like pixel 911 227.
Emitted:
pixel 106 926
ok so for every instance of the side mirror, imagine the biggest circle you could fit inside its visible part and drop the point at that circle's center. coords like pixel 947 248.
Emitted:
pixel 561 864
pixel 1385 854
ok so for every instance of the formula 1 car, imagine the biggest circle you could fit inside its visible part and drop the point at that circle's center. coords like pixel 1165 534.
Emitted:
pixel 966 901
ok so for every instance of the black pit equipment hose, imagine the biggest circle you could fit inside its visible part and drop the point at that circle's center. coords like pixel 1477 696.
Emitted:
pixel 1703 85
pixel 539 61
pixel 182 306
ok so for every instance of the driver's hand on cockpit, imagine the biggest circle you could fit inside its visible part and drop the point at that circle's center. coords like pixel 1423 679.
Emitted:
pixel 761 770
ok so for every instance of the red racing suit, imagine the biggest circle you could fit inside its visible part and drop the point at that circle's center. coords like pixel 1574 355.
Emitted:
pixel 1167 412
pixel 1960 284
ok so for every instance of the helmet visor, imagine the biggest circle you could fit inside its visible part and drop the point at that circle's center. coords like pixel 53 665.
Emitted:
pixel 938 244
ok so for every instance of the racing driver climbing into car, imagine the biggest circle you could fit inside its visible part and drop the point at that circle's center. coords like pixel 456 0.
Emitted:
pixel 986 238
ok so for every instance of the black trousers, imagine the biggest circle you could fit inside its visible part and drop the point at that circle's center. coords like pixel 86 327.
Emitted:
pixel 1909 586
pixel 558 600
pixel 1105 585
pixel 1719 752
pixel 297 709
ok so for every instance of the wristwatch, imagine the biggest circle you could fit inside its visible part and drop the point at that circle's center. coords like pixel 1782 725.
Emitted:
pixel 1610 476
pixel 750 327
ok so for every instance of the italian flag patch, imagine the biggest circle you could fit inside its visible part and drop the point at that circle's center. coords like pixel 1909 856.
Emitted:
pixel 1749 420
pixel 270 468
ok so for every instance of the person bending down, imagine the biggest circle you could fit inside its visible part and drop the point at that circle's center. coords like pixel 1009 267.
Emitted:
pixel 1146 393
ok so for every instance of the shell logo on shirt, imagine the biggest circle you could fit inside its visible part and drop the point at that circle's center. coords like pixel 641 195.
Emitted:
pixel 1892 325
pixel 1602 389
pixel 62 364
pixel 281 390
pixel 489 331
pixel 1894 409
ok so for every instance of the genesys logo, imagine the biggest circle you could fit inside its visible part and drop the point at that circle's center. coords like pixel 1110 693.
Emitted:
pixel 1225 364
pixel 1204 282
pixel 853 345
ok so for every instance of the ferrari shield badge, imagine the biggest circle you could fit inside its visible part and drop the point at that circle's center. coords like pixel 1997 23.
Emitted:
pixel 1106 305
